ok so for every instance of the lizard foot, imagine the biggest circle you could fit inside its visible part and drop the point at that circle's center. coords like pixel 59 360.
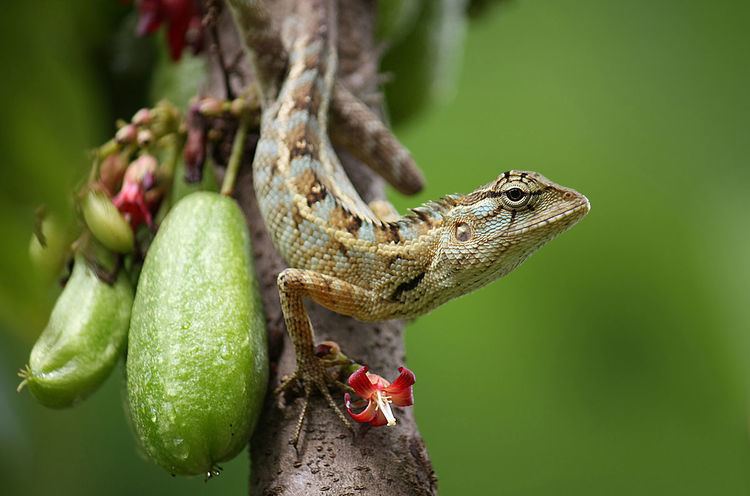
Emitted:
pixel 313 376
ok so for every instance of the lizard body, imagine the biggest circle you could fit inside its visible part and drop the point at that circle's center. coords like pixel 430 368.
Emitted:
pixel 344 256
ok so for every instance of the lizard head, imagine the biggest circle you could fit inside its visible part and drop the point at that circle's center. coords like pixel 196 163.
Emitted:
pixel 490 231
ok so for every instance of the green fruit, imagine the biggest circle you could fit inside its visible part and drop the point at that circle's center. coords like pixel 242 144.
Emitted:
pixel 106 223
pixel 85 336
pixel 197 364
pixel 50 248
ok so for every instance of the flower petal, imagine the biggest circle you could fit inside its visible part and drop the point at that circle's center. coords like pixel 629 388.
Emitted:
pixel 367 415
pixel 361 383
pixel 150 17
pixel 130 201
pixel 384 406
pixel 379 420
pixel 401 391
pixel 176 37
pixel 377 381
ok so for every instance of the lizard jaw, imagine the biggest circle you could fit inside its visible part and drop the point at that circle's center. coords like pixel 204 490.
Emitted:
pixel 579 211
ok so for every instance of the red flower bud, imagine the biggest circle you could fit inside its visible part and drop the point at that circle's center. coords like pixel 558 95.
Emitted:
pixel 142 117
pixel 126 134
pixel 131 200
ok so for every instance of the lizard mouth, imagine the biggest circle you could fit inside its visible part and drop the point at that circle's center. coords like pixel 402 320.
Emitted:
pixel 582 209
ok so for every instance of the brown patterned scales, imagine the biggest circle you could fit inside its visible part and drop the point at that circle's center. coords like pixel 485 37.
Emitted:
pixel 345 257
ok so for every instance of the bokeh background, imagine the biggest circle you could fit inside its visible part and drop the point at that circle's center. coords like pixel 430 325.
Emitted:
pixel 615 361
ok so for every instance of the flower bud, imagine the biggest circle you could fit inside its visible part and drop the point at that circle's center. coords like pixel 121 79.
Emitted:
pixel 211 107
pixel 327 349
pixel 142 117
pixel 131 199
pixel 141 167
pixel 111 171
pixel 145 137
pixel 126 134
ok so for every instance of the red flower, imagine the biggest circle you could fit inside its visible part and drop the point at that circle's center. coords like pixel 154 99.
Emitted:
pixel 131 200
pixel 183 19
pixel 379 395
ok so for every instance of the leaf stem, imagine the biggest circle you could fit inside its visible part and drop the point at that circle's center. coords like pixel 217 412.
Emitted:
pixel 235 159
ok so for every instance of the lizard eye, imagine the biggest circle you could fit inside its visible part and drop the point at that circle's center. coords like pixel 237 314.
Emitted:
pixel 517 195
pixel 463 232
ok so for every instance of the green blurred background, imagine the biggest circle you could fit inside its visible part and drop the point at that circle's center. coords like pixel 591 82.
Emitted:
pixel 613 362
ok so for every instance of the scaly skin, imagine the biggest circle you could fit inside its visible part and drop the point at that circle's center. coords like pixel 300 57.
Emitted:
pixel 352 261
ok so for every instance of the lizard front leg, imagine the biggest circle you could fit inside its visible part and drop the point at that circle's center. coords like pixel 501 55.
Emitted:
pixel 336 295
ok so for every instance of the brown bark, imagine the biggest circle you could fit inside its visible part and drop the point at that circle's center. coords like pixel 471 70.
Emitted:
pixel 385 460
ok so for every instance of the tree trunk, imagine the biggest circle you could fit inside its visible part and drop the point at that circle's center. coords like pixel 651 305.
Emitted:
pixel 385 460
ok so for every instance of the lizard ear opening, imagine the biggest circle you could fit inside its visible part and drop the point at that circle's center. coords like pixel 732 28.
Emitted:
pixel 463 232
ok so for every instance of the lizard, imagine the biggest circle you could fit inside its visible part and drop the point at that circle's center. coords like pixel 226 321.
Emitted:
pixel 344 256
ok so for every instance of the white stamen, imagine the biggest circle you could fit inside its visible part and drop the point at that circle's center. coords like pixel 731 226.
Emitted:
pixel 384 404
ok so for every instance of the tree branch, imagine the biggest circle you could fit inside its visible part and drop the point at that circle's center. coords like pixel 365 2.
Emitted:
pixel 387 460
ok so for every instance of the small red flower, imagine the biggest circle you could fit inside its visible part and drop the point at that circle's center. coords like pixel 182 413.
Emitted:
pixel 131 200
pixel 183 19
pixel 379 395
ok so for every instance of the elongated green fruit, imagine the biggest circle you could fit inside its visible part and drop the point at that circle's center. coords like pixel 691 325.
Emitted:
pixel 50 248
pixel 85 336
pixel 197 364
pixel 106 223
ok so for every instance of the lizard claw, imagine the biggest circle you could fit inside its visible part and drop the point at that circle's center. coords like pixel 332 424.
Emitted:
pixel 313 377
pixel 286 382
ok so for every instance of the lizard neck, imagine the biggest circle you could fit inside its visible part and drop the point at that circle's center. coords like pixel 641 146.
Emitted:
pixel 423 220
pixel 420 223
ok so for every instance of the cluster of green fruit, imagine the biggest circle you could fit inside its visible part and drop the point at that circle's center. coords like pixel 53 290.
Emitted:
pixel 192 331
